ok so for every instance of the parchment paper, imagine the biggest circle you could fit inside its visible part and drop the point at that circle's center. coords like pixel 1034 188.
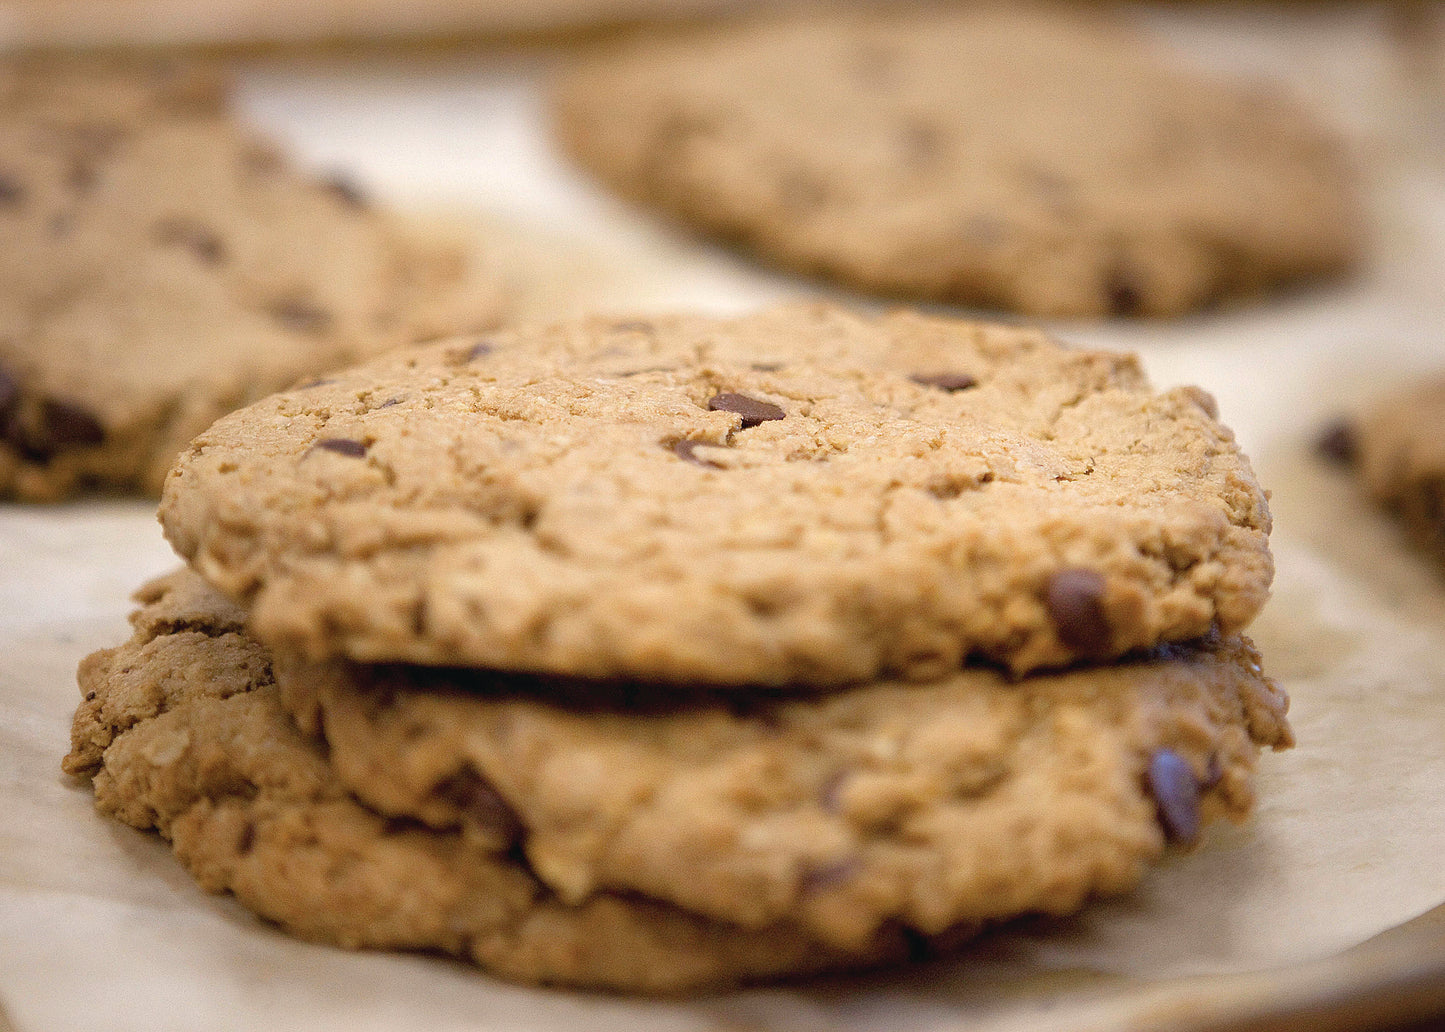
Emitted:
pixel 100 928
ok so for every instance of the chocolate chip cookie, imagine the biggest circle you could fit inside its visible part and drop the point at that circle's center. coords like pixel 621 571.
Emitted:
pixel 1397 448
pixel 1037 160
pixel 162 264
pixel 646 841
pixel 801 496
pixel 182 730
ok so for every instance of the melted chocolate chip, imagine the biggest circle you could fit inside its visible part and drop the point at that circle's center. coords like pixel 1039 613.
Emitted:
pixel 945 381
pixel 752 410
pixel 817 880
pixel 247 841
pixel 1075 602
pixel 1124 294
pixel 347 192
pixel 300 315
pixel 9 392
pixel 687 450
pixel 1171 782
pixel 342 446
pixel 194 237
pixel 63 425
pixel 483 805
pixel 11 192
pixel 81 175
pixel 1339 442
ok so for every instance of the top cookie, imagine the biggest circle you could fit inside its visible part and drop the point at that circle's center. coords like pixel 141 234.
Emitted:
pixel 1039 161
pixel 161 265
pixel 798 496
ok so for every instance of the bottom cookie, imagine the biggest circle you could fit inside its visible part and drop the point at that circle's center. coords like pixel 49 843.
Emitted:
pixel 653 847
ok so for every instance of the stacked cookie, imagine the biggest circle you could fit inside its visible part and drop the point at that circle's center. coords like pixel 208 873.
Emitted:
pixel 663 654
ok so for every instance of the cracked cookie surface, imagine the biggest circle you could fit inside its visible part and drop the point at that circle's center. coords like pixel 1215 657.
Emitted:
pixel 1041 161
pixel 182 730
pixel 161 264
pixel 797 496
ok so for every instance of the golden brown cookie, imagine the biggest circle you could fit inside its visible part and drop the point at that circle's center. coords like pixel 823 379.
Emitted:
pixel 797 496
pixel 647 841
pixel 1033 159
pixel 162 264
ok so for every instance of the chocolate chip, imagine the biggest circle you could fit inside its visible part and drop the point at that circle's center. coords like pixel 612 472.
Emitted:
pixel 687 450
pixel 817 880
pixel 752 410
pixel 483 805
pixel 945 381
pixel 247 840
pixel 1124 294
pixel 922 145
pixel 633 326
pixel 1075 602
pixel 63 425
pixel 9 392
pixel 342 446
pixel 11 192
pixel 347 192
pixel 1339 442
pixel 1171 782
pixel 81 175
pixel 300 315
pixel 194 237
pixel 481 349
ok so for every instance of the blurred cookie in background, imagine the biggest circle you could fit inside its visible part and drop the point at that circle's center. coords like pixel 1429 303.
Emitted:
pixel 1396 448
pixel 162 264
pixel 1044 161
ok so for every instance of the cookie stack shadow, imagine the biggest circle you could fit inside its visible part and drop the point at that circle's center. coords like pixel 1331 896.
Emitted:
pixel 667 654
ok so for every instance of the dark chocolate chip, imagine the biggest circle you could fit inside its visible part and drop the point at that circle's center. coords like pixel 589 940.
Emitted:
pixel 300 315
pixel 1125 296
pixel 81 175
pixel 11 192
pixel 9 392
pixel 342 446
pixel 1075 601
pixel 687 450
pixel 483 805
pixel 1171 782
pixel 194 237
pixel 817 880
pixel 481 349
pixel 945 381
pixel 347 192
pixel 922 145
pixel 247 841
pixel 1339 442
pixel 752 410
pixel 63 425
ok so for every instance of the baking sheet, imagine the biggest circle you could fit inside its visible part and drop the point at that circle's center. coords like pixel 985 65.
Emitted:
pixel 99 927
